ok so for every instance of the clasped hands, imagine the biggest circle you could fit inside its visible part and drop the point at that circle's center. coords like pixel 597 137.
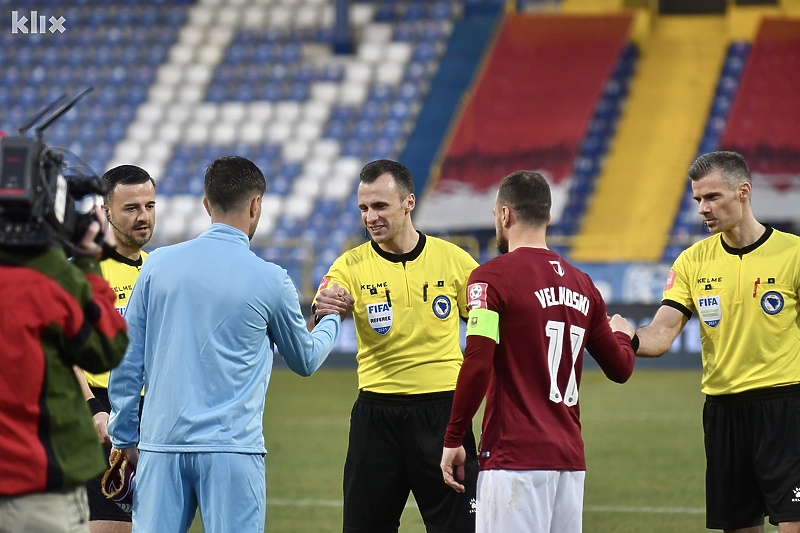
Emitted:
pixel 334 300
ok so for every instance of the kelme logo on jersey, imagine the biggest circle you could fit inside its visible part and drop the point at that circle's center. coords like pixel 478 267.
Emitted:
pixel 772 303
pixel 710 310
pixel 441 306
pixel 380 317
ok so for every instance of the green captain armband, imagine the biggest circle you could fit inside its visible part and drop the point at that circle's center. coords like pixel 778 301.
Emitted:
pixel 485 323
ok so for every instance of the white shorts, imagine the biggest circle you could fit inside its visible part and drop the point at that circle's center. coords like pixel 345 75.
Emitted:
pixel 530 501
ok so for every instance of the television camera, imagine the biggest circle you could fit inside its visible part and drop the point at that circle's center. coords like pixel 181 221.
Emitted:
pixel 42 200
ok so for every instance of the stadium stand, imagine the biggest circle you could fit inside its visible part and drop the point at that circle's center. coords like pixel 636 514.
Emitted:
pixel 178 83
pixel 639 188
pixel 687 227
pixel 527 110
pixel 760 119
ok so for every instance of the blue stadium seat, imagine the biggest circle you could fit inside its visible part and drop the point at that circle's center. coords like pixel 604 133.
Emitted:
pixel 384 13
pixel 194 185
pixel 424 52
pixel 399 111
pixel 323 35
pixel 408 92
pixel 320 222
pixel 156 55
pixel 441 11
pixel 290 170
pixel 332 72
pixel 715 126
pixel 739 49
pixel 305 74
pixel 291 53
pixel 271 151
pixel 299 92
pixel 318 271
pixel 586 165
pixel 245 93
pixel 291 225
pixel 271 92
pixel 405 32
pixel 372 112
pixel 380 93
pixel 593 146
pixel 721 106
pixel 335 129
pixel 734 65
pixel 364 130
pixel 728 85
pixel 328 207
pixel 392 130
pixel 709 143
pixel 354 148
pixel 343 112
pixel 414 12
pixel 382 148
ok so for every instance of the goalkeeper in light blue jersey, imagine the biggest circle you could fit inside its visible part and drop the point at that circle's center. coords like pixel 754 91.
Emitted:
pixel 203 319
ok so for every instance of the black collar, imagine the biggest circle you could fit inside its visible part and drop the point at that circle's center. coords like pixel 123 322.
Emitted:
pixel 750 247
pixel 402 258
pixel 119 258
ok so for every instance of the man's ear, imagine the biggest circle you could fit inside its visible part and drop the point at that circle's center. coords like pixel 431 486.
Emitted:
pixel 506 216
pixel 744 191
pixel 254 202
pixel 411 202
pixel 207 206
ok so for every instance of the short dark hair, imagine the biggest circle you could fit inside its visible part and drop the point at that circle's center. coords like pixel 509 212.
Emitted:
pixel 402 176
pixel 125 175
pixel 231 181
pixel 527 194
pixel 731 164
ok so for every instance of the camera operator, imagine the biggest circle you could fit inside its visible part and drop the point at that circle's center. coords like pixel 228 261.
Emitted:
pixel 54 314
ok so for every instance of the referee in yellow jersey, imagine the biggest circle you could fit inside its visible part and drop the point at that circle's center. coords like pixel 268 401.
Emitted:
pixel 130 205
pixel 743 283
pixel 410 294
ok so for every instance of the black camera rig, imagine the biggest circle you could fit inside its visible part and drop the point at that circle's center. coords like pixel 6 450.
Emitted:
pixel 42 201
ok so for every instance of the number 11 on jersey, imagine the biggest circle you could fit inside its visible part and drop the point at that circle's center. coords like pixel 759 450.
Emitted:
pixel 555 332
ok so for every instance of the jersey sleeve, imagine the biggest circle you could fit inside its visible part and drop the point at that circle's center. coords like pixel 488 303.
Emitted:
pixel 466 264
pixel 338 274
pixel 677 291
pixel 125 382
pixel 475 374
pixel 612 350
pixel 303 351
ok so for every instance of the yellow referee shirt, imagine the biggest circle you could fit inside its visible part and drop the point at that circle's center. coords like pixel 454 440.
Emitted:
pixel 121 273
pixel 407 311
pixel 747 303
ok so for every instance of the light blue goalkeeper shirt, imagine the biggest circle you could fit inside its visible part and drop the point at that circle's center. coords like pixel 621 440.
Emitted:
pixel 202 321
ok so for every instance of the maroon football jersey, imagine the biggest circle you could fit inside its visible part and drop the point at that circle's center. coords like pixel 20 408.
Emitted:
pixel 549 311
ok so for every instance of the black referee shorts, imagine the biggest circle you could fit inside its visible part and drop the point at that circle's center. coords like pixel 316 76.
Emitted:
pixel 100 507
pixel 395 448
pixel 752 442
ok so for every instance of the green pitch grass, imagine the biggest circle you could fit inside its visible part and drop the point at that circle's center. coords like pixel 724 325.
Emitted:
pixel 644 449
